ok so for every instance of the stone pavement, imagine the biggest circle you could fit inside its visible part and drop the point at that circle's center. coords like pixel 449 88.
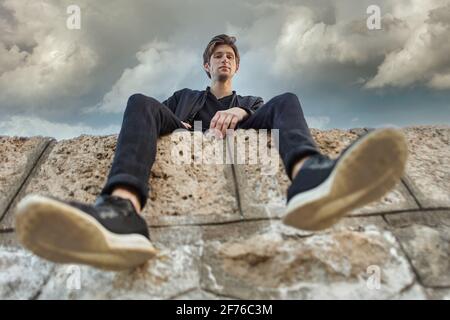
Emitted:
pixel 218 226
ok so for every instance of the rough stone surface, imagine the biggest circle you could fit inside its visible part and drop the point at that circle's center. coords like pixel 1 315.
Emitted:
pixel 76 169
pixel 324 266
pixel 428 169
pixel 435 219
pixel 8 239
pixel 415 292
pixel 167 276
pixel 197 235
pixel 22 274
pixel 17 158
pixel 174 236
pixel 219 231
pixel 438 294
pixel 200 295
pixel 425 238
pixel 263 185
pixel 190 192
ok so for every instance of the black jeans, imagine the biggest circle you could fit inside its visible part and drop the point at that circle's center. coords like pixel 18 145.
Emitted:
pixel 145 119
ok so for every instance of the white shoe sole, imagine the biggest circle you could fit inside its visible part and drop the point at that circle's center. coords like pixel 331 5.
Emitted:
pixel 367 171
pixel 63 234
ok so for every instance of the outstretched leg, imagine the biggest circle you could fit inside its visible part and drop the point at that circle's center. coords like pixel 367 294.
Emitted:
pixel 110 234
pixel 323 190
pixel 285 113
pixel 145 119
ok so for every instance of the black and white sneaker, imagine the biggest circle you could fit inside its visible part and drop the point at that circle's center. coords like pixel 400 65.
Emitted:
pixel 325 189
pixel 109 234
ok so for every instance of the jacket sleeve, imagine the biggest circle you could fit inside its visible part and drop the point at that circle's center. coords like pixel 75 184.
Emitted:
pixel 251 109
pixel 172 102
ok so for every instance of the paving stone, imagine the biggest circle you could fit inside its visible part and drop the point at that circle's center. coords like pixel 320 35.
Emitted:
pixel 22 274
pixel 8 239
pixel 167 276
pixel 360 223
pixel 428 249
pixel 201 191
pixel 197 235
pixel 199 294
pixel 174 236
pixel 18 156
pixel 339 264
pixel 190 193
pixel 425 237
pixel 435 219
pixel 209 251
pixel 428 169
pixel 263 185
pixel 74 169
pixel 258 174
pixel 438 294
pixel 415 292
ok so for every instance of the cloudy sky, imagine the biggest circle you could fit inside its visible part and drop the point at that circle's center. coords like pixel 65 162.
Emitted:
pixel 60 82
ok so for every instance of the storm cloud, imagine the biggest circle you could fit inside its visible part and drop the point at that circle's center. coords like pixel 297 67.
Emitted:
pixel 344 73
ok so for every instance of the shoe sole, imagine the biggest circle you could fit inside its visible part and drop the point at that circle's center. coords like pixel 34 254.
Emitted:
pixel 367 171
pixel 64 234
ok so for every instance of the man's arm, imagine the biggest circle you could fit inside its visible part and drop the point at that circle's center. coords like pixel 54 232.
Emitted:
pixel 251 109
pixel 171 102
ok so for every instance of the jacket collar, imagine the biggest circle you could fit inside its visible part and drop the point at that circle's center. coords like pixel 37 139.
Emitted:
pixel 208 89
pixel 233 99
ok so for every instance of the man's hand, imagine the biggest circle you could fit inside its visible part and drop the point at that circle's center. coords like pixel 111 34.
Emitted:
pixel 186 125
pixel 227 119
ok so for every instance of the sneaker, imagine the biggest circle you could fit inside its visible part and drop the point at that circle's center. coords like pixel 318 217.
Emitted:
pixel 109 234
pixel 325 189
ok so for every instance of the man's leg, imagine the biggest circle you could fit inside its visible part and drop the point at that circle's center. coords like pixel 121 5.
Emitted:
pixel 285 113
pixel 325 189
pixel 145 119
pixel 109 234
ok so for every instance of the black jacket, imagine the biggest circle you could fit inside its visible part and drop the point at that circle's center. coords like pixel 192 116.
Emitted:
pixel 186 103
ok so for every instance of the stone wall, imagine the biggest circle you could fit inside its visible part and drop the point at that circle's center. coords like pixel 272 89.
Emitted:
pixel 218 226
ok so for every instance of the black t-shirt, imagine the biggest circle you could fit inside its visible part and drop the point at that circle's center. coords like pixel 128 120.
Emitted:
pixel 212 105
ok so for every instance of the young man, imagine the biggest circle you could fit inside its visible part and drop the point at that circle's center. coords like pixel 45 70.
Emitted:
pixel 112 234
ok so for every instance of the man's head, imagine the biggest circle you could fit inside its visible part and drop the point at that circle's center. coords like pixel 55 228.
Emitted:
pixel 221 58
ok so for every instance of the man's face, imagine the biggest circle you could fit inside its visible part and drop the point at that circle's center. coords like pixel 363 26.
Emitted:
pixel 222 64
